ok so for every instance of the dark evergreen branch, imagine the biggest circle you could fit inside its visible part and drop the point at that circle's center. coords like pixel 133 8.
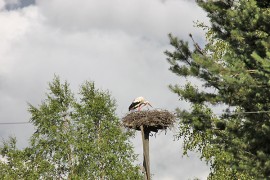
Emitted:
pixel 196 45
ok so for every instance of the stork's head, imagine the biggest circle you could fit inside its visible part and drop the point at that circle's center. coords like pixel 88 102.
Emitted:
pixel 147 103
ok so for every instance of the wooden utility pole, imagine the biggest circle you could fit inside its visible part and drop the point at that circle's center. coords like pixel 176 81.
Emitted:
pixel 147 121
pixel 146 160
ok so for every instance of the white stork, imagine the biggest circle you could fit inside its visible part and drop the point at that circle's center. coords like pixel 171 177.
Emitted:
pixel 138 103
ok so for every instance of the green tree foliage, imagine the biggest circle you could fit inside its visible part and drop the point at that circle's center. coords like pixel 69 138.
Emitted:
pixel 73 140
pixel 234 70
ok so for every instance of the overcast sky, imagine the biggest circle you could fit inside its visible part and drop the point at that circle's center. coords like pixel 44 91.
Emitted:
pixel 118 44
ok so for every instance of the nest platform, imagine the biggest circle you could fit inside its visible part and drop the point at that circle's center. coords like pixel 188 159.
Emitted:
pixel 153 120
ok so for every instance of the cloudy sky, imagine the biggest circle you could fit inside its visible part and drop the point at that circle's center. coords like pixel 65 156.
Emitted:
pixel 118 44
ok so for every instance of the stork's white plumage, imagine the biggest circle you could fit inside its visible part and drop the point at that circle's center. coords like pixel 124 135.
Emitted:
pixel 138 103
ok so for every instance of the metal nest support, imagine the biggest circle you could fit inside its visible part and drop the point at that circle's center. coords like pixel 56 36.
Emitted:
pixel 153 120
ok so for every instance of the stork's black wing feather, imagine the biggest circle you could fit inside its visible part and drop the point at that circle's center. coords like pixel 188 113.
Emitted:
pixel 133 105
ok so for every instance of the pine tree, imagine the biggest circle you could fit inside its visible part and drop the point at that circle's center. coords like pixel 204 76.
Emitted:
pixel 234 71
pixel 73 140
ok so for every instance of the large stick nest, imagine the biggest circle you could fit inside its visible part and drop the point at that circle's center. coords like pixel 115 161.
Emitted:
pixel 151 119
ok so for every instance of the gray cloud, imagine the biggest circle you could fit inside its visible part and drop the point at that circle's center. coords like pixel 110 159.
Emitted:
pixel 150 19
pixel 16 4
pixel 118 44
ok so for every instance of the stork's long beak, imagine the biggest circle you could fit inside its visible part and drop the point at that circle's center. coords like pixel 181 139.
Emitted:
pixel 149 104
